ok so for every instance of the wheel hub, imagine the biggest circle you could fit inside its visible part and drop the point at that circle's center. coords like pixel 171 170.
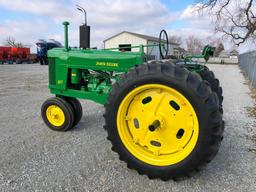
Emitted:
pixel 55 115
pixel 157 124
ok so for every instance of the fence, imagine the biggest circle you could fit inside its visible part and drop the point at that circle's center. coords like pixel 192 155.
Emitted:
pixel 247 61
pixel 218 60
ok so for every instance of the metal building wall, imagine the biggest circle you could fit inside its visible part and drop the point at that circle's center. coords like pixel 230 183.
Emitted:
pixel 125 38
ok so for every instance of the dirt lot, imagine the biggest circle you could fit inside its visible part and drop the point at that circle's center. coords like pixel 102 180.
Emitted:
pixel 34 158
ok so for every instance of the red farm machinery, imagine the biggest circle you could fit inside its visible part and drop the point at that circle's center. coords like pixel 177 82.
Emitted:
pixel 16 55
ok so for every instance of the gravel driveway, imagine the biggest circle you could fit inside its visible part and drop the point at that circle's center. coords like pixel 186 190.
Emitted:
pixel 34 158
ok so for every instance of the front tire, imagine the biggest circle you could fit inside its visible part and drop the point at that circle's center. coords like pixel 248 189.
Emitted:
pixel 163 121
pixel 77 108
pixel 57 114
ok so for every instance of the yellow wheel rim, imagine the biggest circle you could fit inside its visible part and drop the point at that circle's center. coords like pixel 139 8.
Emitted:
pixel 55 115
pixel 157 125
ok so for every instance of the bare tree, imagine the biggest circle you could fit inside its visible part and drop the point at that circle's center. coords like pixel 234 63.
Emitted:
pixel 219 49
pixel 194 45
pixel 236 19
pixel 10 41
pixel 175 39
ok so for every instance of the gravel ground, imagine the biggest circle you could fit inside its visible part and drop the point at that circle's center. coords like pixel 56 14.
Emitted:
pixel 34 158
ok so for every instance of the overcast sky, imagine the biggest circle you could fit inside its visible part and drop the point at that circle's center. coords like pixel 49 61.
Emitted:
pixel 29 21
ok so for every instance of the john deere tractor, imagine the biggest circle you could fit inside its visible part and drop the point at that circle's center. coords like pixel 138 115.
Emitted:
pixel 163 119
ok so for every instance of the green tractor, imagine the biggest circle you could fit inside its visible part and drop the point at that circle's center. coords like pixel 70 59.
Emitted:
pixel 163 119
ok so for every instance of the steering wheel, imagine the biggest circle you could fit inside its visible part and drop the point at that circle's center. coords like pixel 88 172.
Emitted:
pixel 163 44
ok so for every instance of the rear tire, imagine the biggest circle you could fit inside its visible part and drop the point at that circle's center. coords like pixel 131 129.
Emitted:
pixel 45 61
pixel 41 61
pixel 190 86
pixel 214 83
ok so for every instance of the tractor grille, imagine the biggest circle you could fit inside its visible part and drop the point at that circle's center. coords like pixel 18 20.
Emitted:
pixel 52 74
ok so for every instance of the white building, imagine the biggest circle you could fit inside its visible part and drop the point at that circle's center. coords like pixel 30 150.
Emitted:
pixel 127 39
pixel 234 54
pixel 229 54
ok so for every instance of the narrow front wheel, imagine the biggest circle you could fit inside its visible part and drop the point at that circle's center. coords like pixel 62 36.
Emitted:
pixel 57 114
pixel 77 108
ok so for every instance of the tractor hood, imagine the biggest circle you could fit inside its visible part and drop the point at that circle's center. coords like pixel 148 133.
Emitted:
pixel 97 59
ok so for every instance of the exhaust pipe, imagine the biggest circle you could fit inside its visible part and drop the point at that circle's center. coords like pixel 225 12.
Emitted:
pixel 85 36
pixel 84 31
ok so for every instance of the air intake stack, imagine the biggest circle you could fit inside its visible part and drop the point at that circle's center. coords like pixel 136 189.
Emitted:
pixel 84 31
